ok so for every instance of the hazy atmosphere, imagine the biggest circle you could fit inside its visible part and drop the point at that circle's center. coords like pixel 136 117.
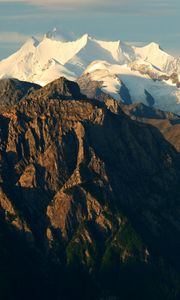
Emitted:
pixel 134 21
pixel 89 150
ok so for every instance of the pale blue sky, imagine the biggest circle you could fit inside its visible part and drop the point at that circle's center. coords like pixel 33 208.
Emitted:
pixel 128 20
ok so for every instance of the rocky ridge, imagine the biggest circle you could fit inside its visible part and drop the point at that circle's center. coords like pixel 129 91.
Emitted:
pixel 91 195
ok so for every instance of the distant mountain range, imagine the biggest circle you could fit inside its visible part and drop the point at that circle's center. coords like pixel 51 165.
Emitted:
pixel 146 74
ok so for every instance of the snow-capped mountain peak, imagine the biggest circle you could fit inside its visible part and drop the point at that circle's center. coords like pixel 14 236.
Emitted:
pixel 143 70
pixel 31 42
pixel 60 35
pixel 153 54
pixel 153 46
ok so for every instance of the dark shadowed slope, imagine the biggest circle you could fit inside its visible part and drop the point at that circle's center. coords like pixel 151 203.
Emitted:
pixel 90 198
pixel 13 90
pixel 168 123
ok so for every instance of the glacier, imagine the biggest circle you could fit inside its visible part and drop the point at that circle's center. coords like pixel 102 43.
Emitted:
pixel 146 69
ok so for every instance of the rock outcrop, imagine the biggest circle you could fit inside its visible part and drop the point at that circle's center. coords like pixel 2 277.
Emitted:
pixel 94 193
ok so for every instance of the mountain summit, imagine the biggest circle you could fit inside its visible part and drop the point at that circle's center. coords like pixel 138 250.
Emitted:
pixel 59 35
pixel 89 199
pixel 60 88
pixel 146 72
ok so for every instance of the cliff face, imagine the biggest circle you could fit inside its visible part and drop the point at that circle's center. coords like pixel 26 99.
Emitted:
pixel 93 192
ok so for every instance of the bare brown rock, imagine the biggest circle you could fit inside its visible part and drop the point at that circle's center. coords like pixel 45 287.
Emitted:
pixel 167 122
pixel 89 184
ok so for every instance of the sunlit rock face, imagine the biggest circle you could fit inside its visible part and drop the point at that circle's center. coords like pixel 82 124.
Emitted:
pixel 88 195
